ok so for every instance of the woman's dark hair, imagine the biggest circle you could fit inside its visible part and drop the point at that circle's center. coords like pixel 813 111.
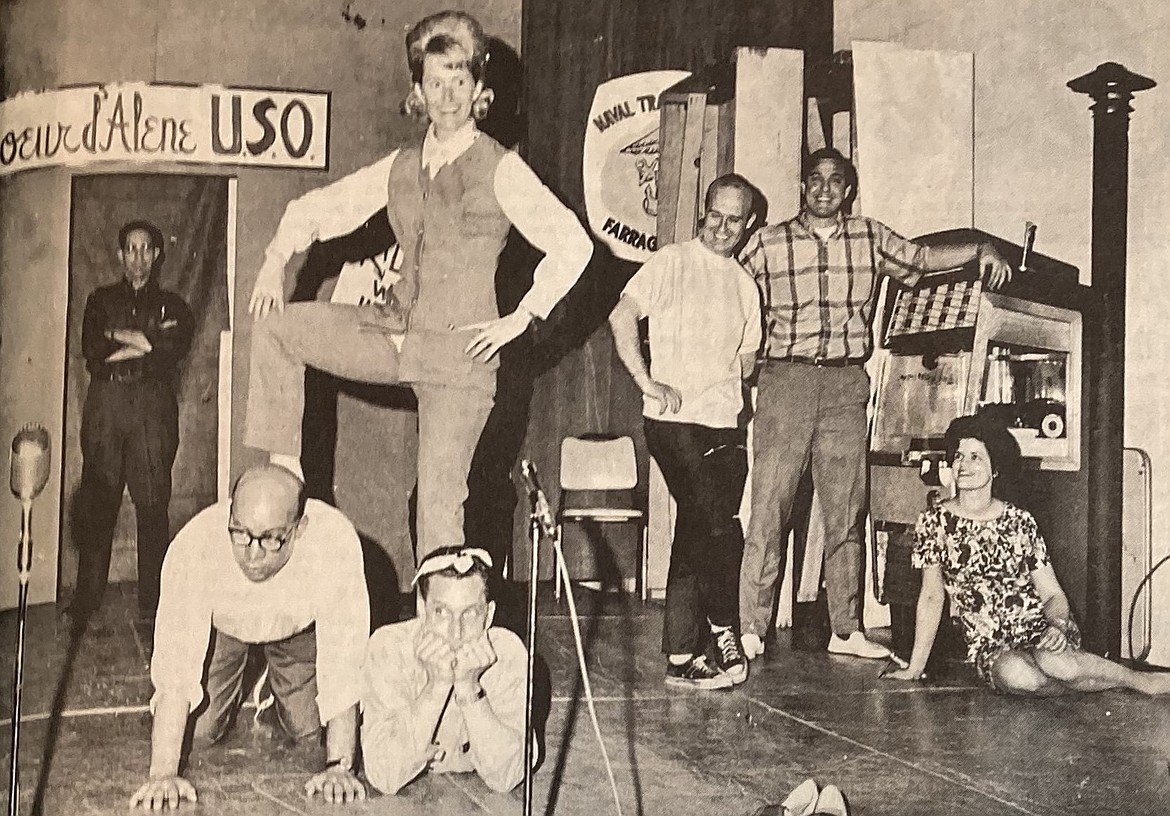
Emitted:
pixel 1002 448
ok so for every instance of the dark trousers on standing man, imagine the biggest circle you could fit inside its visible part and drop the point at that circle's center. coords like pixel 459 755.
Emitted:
pixel 129 436
pixel 705 470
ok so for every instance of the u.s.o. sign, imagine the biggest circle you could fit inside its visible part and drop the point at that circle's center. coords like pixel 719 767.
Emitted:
pixel 146 123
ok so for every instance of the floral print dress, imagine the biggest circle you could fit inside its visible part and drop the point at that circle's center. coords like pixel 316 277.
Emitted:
pixel 987 569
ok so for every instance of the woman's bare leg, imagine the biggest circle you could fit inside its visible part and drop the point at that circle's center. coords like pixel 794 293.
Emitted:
pixel 1085 671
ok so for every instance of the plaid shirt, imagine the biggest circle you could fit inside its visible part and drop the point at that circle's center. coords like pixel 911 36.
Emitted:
pixel 819 294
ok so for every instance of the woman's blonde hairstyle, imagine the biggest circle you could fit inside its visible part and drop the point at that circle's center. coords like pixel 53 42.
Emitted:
pixel 442 34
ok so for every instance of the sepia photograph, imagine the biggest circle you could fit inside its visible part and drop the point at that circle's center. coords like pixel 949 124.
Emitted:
pixel 556 407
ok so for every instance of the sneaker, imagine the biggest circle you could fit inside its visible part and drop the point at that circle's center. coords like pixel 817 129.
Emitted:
pixel 753 646
pixel 857 645
pixel 697 673
pixel 729 658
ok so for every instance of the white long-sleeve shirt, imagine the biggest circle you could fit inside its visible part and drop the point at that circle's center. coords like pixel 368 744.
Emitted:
pixel 323 582
pixel 491 744
pixel 343 206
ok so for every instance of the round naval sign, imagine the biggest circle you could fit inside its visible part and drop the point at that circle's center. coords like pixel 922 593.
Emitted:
pixel 621 162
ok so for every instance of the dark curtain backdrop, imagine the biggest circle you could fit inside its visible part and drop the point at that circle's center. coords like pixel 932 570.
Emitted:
pixel 191 211
pixel 570 47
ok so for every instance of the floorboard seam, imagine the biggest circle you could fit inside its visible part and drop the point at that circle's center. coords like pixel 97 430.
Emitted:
pixel 278 801
pixel 946 777
pixel 457 783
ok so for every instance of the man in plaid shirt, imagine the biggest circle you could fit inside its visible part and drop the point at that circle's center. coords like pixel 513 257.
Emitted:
pixel 819 273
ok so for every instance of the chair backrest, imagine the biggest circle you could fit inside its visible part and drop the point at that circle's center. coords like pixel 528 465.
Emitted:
pixel 598 464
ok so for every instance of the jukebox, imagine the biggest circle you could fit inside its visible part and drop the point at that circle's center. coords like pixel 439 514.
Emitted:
pixel 949 348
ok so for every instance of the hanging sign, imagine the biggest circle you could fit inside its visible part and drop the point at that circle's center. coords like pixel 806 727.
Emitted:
pixel 148 123
pixel 621 162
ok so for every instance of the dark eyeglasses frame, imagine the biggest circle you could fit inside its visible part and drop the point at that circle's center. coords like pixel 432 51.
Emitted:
pixel 267 541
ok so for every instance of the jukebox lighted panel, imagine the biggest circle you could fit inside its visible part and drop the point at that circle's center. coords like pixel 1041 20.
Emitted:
pixel 949 348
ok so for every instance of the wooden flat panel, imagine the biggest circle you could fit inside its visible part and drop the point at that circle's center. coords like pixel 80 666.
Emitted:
pixel 814 133
pixel 769 123
pixel 709 157
pixel 915 137
pixel 688 177
pixel 725 147
pixel 673 119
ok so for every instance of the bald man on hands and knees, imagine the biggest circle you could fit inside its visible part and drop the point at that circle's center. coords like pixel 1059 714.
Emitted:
pixel 266 570
pixel 445 691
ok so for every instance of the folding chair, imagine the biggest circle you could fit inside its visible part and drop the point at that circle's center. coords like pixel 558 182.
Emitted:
pixel 598 477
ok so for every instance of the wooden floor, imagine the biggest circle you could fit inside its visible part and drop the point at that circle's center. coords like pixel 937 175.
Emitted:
pixel 950 749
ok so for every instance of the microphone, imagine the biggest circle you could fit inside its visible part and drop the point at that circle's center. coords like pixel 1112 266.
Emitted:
pixel 30 462
pixel 541 510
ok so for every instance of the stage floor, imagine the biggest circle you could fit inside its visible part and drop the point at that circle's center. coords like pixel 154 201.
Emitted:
pixel 951 749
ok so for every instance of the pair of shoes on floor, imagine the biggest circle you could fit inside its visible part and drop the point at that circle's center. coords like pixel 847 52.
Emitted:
pixel 806 800
pixel 753 646
pixel 697 673
pixel 857 645
pixel 729 657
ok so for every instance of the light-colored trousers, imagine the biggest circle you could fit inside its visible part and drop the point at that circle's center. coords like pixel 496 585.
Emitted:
pixel 807 416
pixel 350 342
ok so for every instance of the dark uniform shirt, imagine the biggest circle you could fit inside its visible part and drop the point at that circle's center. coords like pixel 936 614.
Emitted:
pixel 161 315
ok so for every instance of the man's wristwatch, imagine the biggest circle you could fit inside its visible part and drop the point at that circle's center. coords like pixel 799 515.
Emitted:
pixel 480 693
pixel 342 763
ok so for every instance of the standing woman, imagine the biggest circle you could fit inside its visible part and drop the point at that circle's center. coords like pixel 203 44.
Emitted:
pixel 451 198
pixel 988 555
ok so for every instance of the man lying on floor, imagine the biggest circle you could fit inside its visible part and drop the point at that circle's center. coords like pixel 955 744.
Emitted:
pixel 270 569
pixel 444 692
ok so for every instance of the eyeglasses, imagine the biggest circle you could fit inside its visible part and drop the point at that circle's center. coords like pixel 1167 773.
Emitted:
pixel 270 541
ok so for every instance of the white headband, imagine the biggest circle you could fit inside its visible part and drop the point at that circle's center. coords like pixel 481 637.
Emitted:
pixel 461 561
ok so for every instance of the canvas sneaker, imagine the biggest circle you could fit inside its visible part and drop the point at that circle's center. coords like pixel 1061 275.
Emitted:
pixel 729 657
pixel 697 673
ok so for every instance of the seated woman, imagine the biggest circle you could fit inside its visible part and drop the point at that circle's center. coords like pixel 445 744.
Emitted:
pixel 989 556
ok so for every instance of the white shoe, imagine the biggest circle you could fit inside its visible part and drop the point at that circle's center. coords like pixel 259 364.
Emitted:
pixel 802 801
pixel 752 645
pixel 858 646
pixel 831 802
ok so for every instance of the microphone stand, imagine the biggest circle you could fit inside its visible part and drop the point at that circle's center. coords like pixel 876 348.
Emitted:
pixel 24 571
pixel 30 473
pixel 540 519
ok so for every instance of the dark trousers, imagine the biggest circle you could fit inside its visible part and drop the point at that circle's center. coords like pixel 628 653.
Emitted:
pixel 705 470
pixel 292 677
pixel 129 436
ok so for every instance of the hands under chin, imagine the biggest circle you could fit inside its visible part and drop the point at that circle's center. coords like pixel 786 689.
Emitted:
pixel 472 660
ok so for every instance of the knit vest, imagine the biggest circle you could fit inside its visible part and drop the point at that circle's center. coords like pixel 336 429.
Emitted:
pixel 451 231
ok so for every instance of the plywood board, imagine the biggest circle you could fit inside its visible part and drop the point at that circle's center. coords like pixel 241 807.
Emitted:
pixel 769 122
pixel 672 120
pixel 688 180
pixel 915 136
